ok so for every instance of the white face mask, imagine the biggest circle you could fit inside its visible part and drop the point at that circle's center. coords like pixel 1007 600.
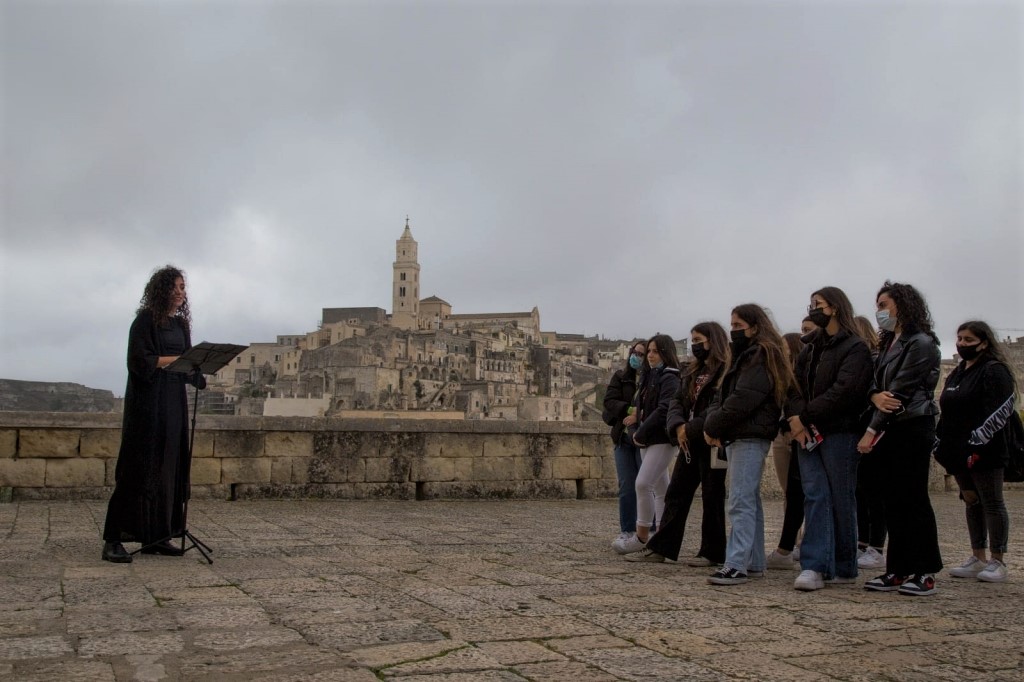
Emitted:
pixel 885 321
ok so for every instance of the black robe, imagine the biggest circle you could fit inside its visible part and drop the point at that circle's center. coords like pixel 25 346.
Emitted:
pixel 152 475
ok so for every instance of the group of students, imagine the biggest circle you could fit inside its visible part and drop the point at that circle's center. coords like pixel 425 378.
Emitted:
pixel 855 411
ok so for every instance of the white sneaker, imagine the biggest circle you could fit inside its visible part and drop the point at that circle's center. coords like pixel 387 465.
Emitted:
pixel 969 569
pixel 808 581
pixel 871 558
pixel 622 537
pixel 795 554
pixel 629 545
pixel 995 572
pixel 645 555
pixel 776 560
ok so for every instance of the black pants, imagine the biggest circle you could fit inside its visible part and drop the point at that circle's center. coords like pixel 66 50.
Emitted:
pixel 870 502
pixel 794 516
pixel 686 476
pixel 905 451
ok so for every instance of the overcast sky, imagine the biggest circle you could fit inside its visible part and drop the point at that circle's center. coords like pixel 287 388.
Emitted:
pixel 628 168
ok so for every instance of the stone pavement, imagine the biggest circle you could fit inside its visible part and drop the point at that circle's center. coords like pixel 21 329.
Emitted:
pixel 479 590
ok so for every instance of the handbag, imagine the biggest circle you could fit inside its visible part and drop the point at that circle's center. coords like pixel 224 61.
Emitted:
pixel 1014 471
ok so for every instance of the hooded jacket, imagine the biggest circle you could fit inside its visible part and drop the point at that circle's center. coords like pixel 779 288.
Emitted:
pixel 656 393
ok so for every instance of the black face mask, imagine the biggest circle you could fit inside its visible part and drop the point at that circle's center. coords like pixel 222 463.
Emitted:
pixel 968 353
pixel 700 351
pixel 740 341
pixel 808 337
pixel 818 317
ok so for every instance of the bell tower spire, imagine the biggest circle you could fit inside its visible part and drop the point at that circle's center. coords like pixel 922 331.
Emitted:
pixel 405 295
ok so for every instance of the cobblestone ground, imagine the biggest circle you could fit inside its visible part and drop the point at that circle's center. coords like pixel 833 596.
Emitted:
pixel 365 590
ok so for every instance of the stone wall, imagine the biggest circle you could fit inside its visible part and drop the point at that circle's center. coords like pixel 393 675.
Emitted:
pixel 45 455
pixel 49 455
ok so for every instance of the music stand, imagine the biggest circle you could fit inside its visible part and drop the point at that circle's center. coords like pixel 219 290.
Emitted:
pixel 203 358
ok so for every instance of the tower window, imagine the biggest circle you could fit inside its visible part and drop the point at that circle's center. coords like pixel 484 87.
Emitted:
pixel 402 277
pixel 401 291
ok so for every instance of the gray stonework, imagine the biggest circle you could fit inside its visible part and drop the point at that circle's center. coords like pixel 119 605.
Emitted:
pixel 72 456
pixel 466 591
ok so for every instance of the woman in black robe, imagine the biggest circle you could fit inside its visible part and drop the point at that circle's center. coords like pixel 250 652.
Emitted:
pixel 152 476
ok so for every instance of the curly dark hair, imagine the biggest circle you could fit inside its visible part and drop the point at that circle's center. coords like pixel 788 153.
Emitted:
pixel 911 311
pixel 157 297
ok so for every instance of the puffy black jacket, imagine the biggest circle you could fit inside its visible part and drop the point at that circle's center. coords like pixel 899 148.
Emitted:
pixel 617 399
pixel 909 369
pixel 690 410
pixel 835 396
pixel 977 404
pixel 745 406
pixel 656 393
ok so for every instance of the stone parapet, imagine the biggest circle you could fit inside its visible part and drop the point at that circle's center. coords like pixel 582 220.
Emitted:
pixel 66 455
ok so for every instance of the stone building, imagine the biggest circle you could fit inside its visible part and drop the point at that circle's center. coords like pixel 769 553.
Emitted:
pixel 424 356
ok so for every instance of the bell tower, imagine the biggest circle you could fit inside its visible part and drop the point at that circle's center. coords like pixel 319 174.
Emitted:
pixel 405 295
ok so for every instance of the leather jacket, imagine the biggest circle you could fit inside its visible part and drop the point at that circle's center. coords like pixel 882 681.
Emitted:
pixel 909 369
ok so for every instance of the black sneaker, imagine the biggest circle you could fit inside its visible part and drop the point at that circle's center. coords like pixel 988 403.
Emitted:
pixel 919 585
pixel 727 576
pixel 890 582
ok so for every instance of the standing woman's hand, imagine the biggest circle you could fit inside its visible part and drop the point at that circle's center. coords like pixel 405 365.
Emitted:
pixel 886 402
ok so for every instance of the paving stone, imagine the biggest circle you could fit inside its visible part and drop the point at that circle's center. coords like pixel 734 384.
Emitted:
pixel 466 659
pixel 560 671
pixel 14 648
pixel 516 653
pixel 394 654
pixel 202 665
pixel 87 620
pixel 206 616
pixel 628 664
pixel 517 627
pixel 245 638
pixel 123 643
pixel 348 636
pixel 476 676
pixel 65 671
pixel 571 644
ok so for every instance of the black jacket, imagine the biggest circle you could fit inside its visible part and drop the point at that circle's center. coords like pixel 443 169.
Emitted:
pixel 909 369
pixel 617 399
pixel 977 403
pixel 656 393
pixel 745 406
pixel 834 375
pixel 692 411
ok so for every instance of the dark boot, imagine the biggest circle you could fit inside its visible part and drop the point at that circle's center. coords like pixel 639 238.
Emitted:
pixel 115 552
pixel 165 548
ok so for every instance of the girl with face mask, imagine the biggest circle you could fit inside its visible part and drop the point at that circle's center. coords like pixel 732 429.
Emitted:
pixel 657 389
pixel 973 441
pixel 620 414
pixel 833 373
pixel 685 427
pixel 744 418
pixel 902 432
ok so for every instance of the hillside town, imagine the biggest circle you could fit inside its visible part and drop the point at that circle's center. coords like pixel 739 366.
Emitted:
pixel 422 359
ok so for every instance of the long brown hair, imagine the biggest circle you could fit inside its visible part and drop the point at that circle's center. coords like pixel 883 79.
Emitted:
pixel 156 298
pixel 794 345
pixel 718 348
pixel 867 331
pixel 767 337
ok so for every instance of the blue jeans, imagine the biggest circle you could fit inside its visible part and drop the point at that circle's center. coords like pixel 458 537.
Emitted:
pixel 627 464
pixel 829 475
pixel 745 549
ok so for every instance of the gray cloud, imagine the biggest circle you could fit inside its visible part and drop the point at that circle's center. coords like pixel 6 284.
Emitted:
pixel 628 168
